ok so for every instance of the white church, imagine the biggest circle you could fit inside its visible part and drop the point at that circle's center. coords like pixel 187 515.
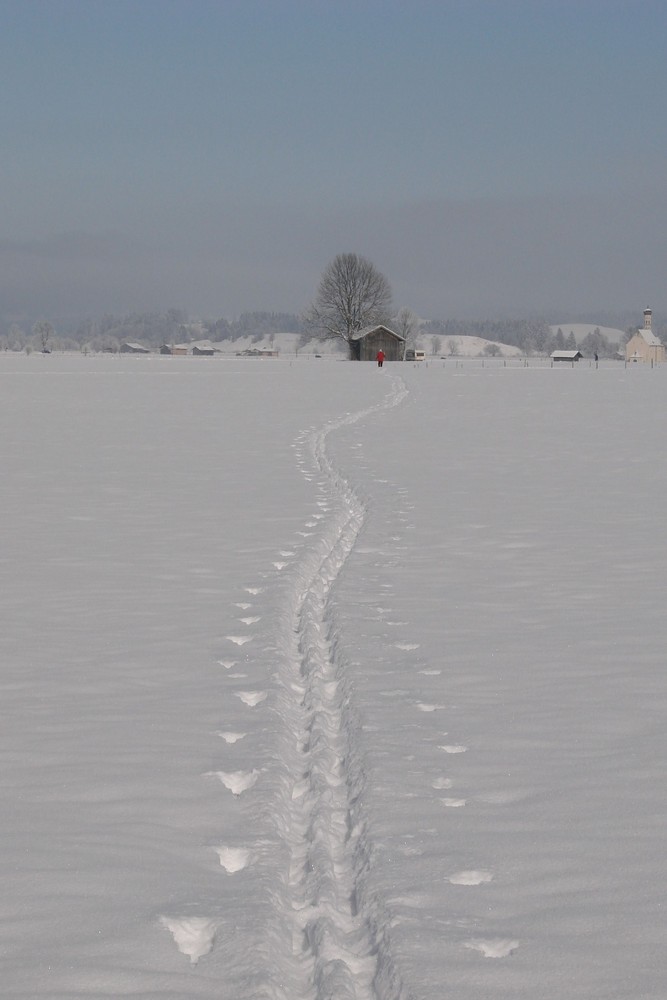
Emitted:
pixel 644 345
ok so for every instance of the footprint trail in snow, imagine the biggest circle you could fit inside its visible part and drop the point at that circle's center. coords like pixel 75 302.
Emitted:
pixel 337 948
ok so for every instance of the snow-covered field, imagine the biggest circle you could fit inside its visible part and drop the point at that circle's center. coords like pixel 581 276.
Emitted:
pixel 320 681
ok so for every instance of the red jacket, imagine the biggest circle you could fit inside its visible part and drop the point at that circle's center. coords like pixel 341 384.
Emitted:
pixel 380 356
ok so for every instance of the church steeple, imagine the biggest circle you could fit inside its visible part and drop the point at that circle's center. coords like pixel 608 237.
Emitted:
pixel 648 318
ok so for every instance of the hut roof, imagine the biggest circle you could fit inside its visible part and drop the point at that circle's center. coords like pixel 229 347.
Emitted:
pixel 366 330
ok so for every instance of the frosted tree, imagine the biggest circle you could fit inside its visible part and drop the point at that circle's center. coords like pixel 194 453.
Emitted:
pixel 352 294
pixel 43 331
pixel 406 324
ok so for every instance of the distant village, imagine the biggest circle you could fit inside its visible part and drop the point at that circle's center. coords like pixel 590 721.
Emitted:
pixel 272 335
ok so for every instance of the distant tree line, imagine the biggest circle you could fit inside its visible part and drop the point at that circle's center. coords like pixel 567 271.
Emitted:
pixel 152 329
pixel 256 325
pixel 531 336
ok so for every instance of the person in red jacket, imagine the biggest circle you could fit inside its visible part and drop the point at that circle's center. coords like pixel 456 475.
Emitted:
pixel 380 357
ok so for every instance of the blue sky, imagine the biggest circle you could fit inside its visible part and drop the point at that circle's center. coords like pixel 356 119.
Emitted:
pixel 492 157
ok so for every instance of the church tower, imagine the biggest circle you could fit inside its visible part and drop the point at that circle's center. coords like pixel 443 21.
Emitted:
pixel 648 318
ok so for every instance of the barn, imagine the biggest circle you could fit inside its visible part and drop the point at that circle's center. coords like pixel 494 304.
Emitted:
pixel 129 348
pixel 566 356
pixel 365 344
pixel 174 349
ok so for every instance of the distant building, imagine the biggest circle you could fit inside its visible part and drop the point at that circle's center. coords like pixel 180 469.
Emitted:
pixel 644 345
pixel 129 348
pixel 365 344
pixel 203 351
pixel 571 356
pixel 174 349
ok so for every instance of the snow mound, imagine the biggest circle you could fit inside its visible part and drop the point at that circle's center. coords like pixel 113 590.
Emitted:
pixel 194 936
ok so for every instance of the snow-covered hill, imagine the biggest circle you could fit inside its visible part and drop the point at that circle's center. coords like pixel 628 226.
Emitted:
pixel 582 330
pixel 468 347
pixel 287 344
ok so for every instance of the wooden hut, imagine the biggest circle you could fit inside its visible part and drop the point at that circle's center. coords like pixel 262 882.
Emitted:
pixel 174 349
pixel 571 356
pixel 129 348
pixel 365 344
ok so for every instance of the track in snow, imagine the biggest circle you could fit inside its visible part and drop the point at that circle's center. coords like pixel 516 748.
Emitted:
pixel 337 945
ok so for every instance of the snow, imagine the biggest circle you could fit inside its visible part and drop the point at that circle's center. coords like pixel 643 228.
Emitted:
pixel 287 343
pixel 582 330
pixel 469 347
pixel 325 681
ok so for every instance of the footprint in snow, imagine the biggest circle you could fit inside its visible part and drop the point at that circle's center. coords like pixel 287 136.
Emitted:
pixel 251 698
pixel 227 664
pixel 287 554
pixel 237 781
pixel 440 783
pixel 243 605
pixel 504 798
pixel 251 619
pixel 493 947
pixel 453 803
pixel 232 737
pixel 470 878
pixel 406 645
pixel 279 565
pixel 424 706
pixel 233 859
pixel 253 590
pixel 430 673
pixel 453 748
pixel 239 640
pixel 194 936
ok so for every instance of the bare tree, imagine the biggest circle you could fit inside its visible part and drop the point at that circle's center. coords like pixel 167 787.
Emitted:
pixel 352 294
pixel 405 323
pixel 15 338
pixel 44 331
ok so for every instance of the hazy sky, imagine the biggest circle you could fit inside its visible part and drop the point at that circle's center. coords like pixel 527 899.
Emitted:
pixel 489 156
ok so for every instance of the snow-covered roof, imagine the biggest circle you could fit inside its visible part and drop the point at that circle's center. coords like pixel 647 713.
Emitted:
pixel 136 347
pixel 360 334
pixel 650 338
pixel 566 355
pixel 203 345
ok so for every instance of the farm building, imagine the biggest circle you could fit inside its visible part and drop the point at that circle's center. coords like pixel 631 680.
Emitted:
pixel 365 344
pixel 129 348
pixel 174 349
pixel 571 356
pixel 644 345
